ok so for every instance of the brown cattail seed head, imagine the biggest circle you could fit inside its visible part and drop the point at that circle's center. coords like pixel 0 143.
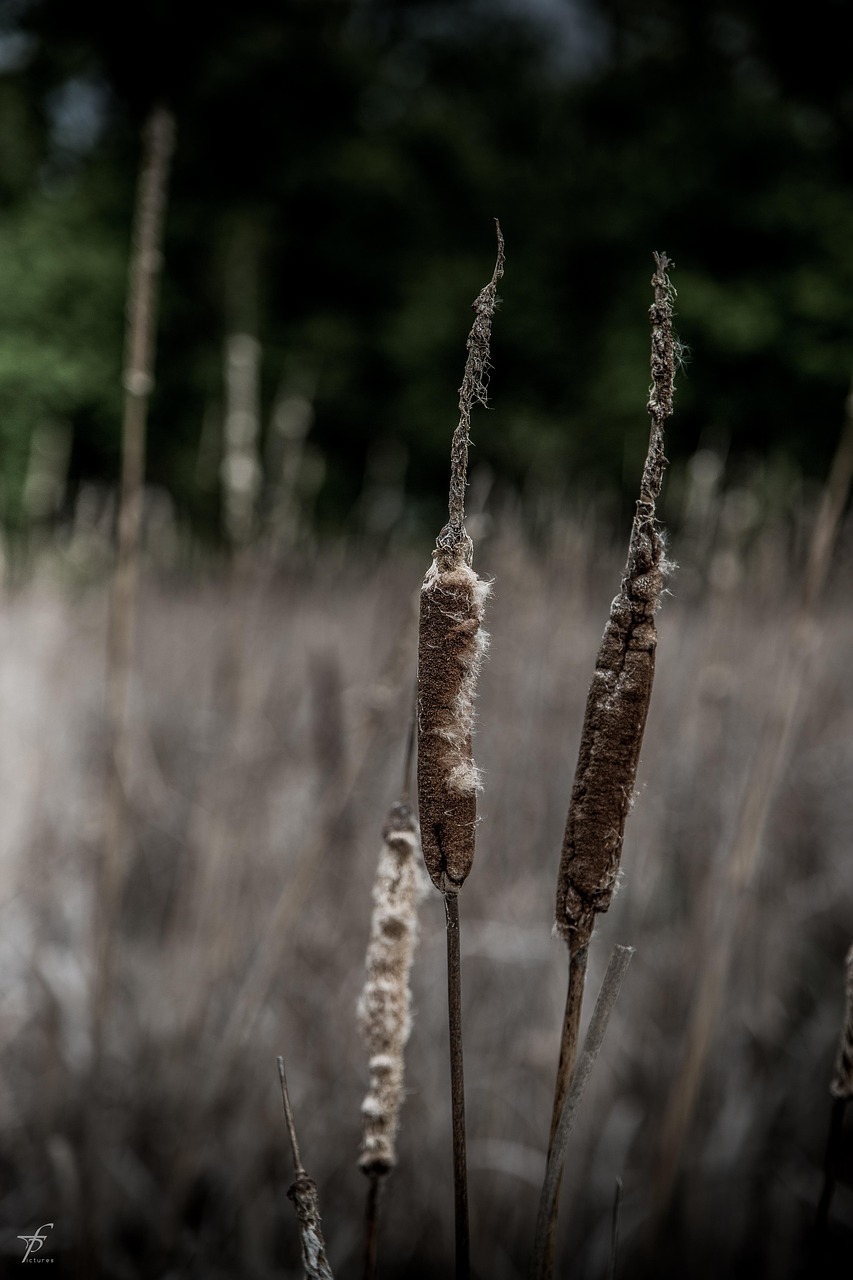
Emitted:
pixel 452 642
pixel 842 1080
pixel 621 688
pixel 384 1007
pixel 451 646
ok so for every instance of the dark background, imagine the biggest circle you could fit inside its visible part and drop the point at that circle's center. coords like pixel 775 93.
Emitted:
pixel 340 162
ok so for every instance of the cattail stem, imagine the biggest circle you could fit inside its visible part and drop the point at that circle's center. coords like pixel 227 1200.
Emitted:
pixel 371 1227
pixel 288 1118
pixel 578 953
pixel 457 1086
pixel 616 969
pixel 614 1231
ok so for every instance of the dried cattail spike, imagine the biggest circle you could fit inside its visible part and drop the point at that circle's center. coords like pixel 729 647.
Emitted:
pixel 451 643
pixel 620 692
pixel 474 389
pixel 842 1080
pixel 303 1193
pixel 384 1006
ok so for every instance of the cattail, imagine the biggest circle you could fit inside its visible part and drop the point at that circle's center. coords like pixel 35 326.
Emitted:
pixel 621 688
pixel 614 722
pixel 384 1007
pixel 451 644
pixel 451 648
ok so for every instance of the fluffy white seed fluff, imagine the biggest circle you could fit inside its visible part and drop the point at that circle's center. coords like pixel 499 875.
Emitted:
pixel 384 1008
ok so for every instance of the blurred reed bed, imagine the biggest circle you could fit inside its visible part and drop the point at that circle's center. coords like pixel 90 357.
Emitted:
pixel 218 968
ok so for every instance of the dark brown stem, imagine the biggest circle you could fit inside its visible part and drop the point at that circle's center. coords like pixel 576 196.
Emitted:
pixel 298 1167
pixel 578 954
pixel 457 1086
pixel 371 1226
pixel 614 1231
pixel 830 1163
pixel 571 1025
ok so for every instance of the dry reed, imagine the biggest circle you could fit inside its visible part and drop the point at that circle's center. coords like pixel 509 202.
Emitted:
pixel 616 710
pixel 303 1193
pixel 451 645
pixel 742 858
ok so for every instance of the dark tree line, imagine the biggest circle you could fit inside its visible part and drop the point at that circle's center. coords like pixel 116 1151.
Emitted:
pixel 338 167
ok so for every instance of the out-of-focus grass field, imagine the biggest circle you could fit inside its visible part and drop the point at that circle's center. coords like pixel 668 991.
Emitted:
pixel 269 717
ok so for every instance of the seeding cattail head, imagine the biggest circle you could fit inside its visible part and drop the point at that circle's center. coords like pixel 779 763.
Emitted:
pixel 620 692
pixel 384 1006
pixel 842 1080
pixel 452 642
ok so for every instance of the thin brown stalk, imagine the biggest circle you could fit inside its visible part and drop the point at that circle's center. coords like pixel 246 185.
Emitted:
pixel 571 1028
pixel 614 1231
pixel 457 1087
pixel 615 716
pixel 451 646
pixel 607 996
pixel 303 1193
pixel 371 1227
pixel 138 381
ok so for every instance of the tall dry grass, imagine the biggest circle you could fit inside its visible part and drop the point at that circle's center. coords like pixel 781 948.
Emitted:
pixel 193 1162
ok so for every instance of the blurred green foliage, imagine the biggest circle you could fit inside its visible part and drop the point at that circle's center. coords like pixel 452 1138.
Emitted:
pixel 363 147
